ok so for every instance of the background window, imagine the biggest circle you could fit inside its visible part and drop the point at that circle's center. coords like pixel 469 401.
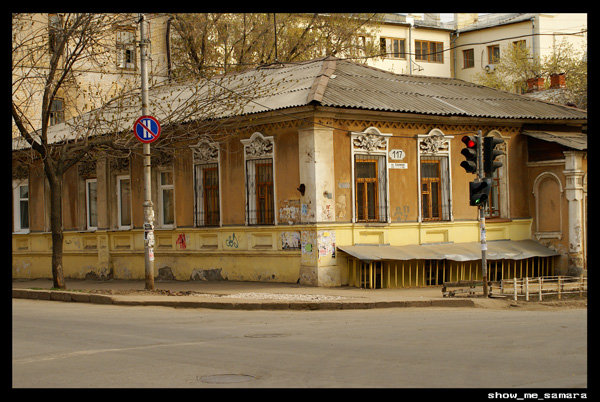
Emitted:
pixel 57 112
pixel 429 51
pixel 393 48
pixel 493 54
pixel 468 58
pixel 126 49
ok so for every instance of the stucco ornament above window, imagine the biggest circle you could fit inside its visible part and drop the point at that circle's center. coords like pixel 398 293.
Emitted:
pixel 206 150
pixel 258 146
pixel 433 143
pixel 370 140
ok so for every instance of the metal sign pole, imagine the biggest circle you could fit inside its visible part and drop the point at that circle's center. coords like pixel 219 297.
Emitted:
pixel 148 207
pixel 484 273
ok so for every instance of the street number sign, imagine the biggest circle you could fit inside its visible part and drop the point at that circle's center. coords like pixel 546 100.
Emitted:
pixel 146 129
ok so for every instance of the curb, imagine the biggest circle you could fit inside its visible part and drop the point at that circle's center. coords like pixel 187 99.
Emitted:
pixel 66 296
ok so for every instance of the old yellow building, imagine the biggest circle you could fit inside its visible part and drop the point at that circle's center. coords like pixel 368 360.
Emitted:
pixel 332 161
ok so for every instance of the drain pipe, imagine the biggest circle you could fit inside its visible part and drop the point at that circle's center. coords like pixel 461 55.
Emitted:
pixel 411 22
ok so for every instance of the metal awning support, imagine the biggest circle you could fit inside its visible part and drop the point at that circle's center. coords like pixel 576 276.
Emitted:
pixel 496 250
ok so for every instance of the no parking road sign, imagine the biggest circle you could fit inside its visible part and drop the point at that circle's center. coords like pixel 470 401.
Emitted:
pixel 146 129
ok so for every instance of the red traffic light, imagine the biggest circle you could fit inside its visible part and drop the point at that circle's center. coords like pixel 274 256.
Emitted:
pixel 469 141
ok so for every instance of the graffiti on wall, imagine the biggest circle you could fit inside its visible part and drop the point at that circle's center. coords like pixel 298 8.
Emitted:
pixel 232 241
pixel 326 242
pixel 290 240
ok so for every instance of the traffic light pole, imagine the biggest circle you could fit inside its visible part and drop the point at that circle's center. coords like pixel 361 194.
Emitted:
pixel 480 174
pixel 148 207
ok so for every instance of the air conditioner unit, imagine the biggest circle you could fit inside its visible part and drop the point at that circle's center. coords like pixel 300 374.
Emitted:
pixel 489 68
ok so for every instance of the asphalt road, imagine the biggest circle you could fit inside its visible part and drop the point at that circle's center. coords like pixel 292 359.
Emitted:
pixel 56 344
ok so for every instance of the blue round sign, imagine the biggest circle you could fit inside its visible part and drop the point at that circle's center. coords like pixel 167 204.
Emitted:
pixel 146 129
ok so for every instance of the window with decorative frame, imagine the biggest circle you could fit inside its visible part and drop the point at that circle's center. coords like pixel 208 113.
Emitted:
pixel 435 187
pixel 369 168
pixel 259 155
pixel 206 183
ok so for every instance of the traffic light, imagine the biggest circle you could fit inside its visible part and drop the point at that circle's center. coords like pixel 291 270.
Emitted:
pixel 470 153
pixel 490 153
pixel 479 192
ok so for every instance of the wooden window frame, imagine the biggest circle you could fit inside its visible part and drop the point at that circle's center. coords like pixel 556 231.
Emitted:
pixel 428 182
pixel 492 59
pixel 427 54
pixel 161 188
pixel 119 202
pixel 264 194
pixel 211 219
pixel 468 62
pixel 390 54
pixel 363 181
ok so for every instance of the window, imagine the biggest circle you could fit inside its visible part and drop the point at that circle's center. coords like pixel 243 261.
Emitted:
pixel 260 191
pixel 370 187
pixel 468 58
pixel 55 27
pixel 521 44
pixel 91 201
pixel 207 194
pixel 435 202
pixel 166 198
pixel 392 48
pixel 493 54
pixel 429 51
pixel 57 112
pixel 21 205
pixel 126 49
pixel 260 178
pixel 124 202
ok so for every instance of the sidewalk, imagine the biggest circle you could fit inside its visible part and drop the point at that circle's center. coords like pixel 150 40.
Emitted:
pixel 244 295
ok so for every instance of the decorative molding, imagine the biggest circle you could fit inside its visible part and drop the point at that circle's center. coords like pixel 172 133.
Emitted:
pixel 435 142
pixel 258 146
pixel 370 140
pixel 119 164
pixel 87 169
pixel 206 150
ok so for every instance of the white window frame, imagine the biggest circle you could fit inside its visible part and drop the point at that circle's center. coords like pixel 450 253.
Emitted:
pixel 161 187
pixel 87 203
pixel 119 178
pixel 435 143
pixel 17 184
pixel 206 152
pixel 126 41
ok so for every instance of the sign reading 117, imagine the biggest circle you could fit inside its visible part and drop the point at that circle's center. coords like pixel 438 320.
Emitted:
pixel 146 129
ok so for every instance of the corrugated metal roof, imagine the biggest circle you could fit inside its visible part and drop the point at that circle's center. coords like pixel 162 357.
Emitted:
pixel 496 250
pixel 328 82
pixel 568 139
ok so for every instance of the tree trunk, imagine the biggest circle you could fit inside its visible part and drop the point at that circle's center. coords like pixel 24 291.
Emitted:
pixel 58 278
